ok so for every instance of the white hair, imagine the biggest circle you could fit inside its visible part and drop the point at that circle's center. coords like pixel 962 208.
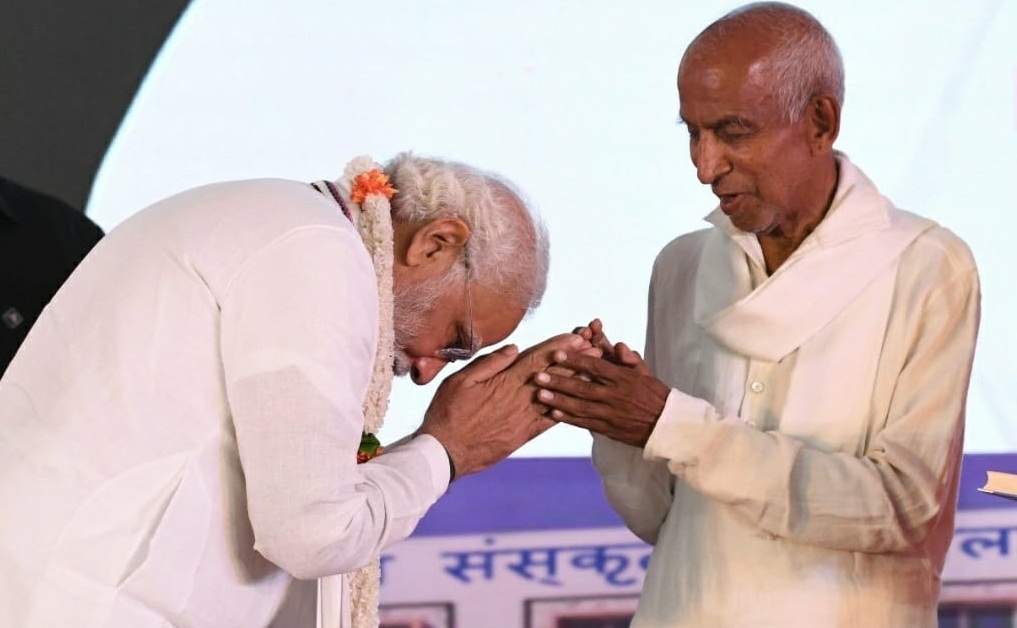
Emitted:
pixel 804 61
pixel 508 248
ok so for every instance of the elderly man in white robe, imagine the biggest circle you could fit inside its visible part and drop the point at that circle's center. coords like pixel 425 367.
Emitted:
pixel 792 444
pixel 179 433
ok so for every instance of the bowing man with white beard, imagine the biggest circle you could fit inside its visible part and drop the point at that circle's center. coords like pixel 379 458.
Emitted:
pixel 179 435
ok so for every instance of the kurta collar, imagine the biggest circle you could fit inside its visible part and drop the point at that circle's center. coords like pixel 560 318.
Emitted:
pixel 860 236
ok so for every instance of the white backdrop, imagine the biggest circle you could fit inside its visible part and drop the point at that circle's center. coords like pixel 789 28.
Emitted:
pixel 575 101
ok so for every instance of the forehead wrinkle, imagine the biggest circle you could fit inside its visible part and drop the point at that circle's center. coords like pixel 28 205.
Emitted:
pixel 727 91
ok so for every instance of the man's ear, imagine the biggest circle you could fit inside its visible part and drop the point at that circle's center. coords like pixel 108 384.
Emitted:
pixel 439 242
pixel 823 116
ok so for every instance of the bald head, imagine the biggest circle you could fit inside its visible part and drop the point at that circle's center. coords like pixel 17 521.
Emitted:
pixel 781 47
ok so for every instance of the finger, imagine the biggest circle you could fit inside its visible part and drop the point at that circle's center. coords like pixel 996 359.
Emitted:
pixel 487 366
pixel 585 364
pixel 599 339
pixel 568 405
pixel 564 372
pixel 561 341
pixel 559 370
pixel 594 352
pixel 561 417
pixel 625 355
pixel 565 409
pixel 635 360
pixel 548 412
pixel 605 346
pixel 579 387
pixel 538 357
pixel 568 419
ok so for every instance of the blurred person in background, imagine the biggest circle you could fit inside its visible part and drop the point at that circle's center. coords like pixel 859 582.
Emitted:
pixel 42 239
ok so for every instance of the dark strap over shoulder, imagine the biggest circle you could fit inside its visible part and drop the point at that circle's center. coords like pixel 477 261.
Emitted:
pixel 334 192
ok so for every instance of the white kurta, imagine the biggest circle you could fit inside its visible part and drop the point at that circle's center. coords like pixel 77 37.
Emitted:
pixel 804 470
pixel 178 432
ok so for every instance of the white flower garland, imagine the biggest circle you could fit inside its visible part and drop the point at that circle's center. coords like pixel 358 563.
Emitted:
pixel 373 220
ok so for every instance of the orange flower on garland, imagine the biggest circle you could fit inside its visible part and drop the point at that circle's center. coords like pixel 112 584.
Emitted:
pixel 371 182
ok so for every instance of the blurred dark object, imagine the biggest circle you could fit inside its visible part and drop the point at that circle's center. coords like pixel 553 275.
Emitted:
pixel 42 240
pixel 68 73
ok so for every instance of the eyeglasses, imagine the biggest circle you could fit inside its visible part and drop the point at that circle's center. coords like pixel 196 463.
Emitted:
pixel 465 350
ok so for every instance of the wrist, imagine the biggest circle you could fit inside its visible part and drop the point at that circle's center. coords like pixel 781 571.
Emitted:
pixel 448 454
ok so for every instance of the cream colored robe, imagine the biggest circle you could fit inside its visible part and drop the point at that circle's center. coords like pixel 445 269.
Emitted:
pixel 804 470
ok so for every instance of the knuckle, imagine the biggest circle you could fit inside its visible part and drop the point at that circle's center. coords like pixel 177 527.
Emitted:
pixel 589 388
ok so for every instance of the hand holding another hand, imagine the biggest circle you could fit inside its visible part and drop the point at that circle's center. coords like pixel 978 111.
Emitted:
pixel 617 354
pixel 616 396
pixel 487 410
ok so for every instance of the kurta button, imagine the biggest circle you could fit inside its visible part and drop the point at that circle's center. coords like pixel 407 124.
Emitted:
pixel 756 387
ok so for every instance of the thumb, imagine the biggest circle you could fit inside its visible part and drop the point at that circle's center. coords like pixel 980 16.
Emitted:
pixel 487 366
pixel 627 357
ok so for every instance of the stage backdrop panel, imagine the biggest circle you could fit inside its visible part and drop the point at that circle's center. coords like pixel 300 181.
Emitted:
pixel 576 102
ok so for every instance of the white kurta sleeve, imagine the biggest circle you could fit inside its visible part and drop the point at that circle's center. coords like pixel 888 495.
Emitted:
pixel 638 489
pixel 298 341
pixel 887 499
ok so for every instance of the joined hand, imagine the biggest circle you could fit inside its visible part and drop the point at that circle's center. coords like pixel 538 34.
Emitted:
pixel 616 396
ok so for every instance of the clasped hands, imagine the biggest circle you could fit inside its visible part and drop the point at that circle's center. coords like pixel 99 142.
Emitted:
pixel 613 394
pixel 501 400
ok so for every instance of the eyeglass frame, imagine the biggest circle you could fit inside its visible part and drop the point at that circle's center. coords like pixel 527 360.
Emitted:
pixel 456 354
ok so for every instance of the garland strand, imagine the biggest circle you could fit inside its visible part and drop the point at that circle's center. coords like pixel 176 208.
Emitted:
pixel 370 191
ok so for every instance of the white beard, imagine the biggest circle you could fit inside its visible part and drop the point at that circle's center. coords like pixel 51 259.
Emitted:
pixel 409 306
pixel 401 363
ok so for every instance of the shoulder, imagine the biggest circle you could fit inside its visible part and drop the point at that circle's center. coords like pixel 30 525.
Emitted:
pixel 684 246
pixel 278 201
pixel 221 230
pixel 682 252
pixel 234 216
pixel 937 250
pixel 937 262
pixel 677 264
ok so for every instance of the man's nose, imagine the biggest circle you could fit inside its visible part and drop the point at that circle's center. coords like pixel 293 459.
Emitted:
pixel 426 369
pixel 709 157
